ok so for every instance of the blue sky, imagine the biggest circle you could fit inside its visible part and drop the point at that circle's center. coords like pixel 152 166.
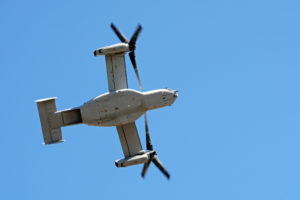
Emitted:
pixel 233 133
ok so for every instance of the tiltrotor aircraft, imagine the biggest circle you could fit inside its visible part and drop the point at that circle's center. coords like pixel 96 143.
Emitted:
pixel 119 107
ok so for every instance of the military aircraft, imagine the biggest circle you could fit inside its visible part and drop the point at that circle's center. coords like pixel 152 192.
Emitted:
pixel 119 107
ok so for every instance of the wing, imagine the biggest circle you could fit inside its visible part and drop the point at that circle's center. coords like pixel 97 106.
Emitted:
pixel 117 79
pixel 116 72
pixel 129 138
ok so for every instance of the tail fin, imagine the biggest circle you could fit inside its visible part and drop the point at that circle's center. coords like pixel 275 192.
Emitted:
pixel 51 132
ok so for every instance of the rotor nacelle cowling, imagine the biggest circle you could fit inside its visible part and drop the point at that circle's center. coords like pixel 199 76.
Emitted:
pixel 112 49
pixel 125 46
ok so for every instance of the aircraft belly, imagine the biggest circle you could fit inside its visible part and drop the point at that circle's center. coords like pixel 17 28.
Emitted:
pixel 113 109
pixel 121 120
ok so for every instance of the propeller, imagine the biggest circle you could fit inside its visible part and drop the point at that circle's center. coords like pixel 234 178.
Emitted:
pixel 119 34
pixel 153 154
pixel 132 47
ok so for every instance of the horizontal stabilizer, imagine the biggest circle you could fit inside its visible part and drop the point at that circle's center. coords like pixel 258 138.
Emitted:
pixel 51 132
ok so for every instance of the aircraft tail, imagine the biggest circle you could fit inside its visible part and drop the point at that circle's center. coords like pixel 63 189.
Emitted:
pixel 51 131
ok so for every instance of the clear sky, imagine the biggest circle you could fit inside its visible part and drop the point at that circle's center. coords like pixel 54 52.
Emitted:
pixel 233 133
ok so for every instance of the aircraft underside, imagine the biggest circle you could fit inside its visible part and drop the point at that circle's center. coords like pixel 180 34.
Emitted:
pixel 119 107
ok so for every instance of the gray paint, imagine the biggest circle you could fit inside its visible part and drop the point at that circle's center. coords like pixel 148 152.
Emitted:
pixel 51 133
pixel 129 139
pixel 120 107
pixel 124 106
pixel 116 72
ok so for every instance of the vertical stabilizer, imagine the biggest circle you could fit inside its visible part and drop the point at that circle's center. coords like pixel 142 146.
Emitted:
pixel 51 130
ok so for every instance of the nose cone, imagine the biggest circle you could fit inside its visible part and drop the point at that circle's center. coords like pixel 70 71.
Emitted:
pixel 175 94
pixel 172 96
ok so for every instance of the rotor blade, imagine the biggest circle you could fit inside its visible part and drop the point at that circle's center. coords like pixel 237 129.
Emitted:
pixel 132 58
pixel 119 34
pixel 134 37
pixel 149 145
pixel 160 166
pixel 145 168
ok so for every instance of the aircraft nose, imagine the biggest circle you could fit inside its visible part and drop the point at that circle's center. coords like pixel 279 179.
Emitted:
pixel 175 93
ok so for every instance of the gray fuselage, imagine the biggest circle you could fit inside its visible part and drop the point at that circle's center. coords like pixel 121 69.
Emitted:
pixel 124 106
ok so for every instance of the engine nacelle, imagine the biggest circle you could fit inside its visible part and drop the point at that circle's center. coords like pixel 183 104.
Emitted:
pixel 113 49
pixel 133 160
